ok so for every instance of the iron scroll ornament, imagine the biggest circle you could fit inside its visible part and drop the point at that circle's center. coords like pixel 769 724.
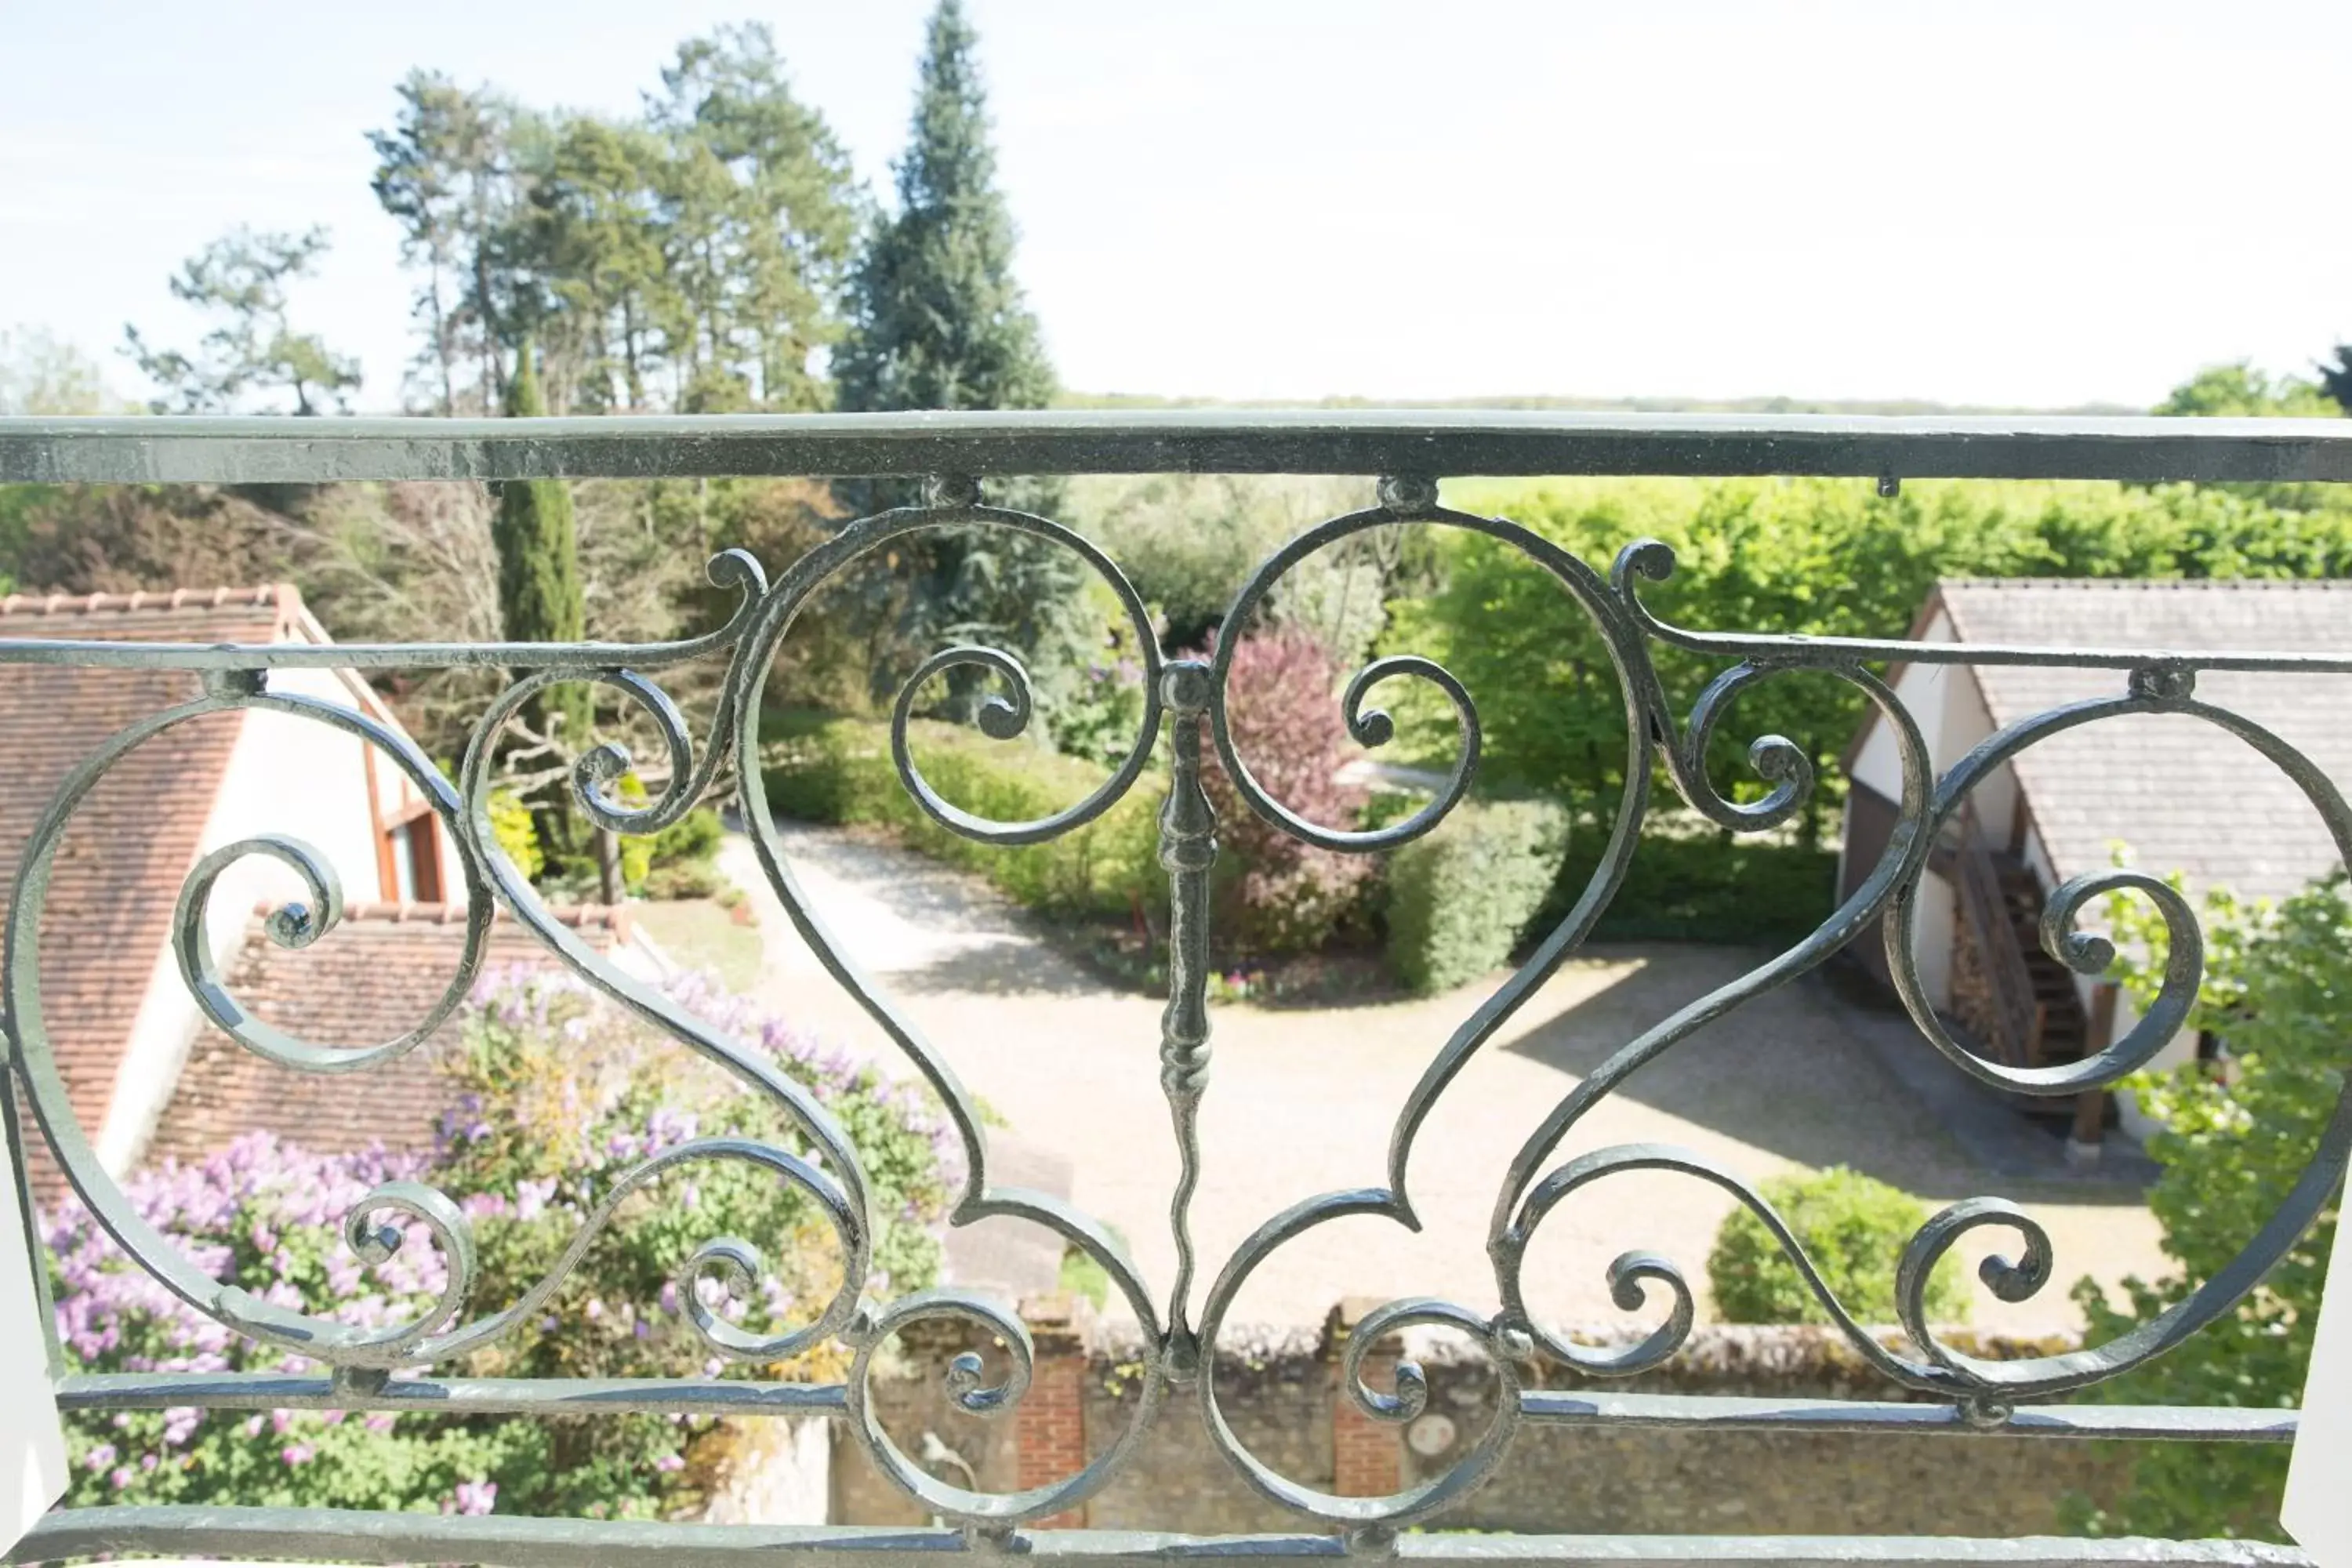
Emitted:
pixel 1185 698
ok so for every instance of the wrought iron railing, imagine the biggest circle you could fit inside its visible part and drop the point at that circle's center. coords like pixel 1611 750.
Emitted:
pixel 1962 1395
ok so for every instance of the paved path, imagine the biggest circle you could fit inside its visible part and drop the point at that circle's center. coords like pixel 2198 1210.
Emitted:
pixel 1302 1102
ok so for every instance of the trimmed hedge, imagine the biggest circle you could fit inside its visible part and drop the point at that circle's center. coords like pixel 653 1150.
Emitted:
pixel 1459 897
pixel 1704 888
pixel 827 768
pixel 1852 1227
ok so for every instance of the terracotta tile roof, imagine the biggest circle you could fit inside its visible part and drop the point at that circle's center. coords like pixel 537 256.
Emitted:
pixel 374 974
pixel 122 862
pixel 2184 795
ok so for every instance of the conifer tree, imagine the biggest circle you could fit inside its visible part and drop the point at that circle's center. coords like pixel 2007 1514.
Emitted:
pixel 539 601
pixel 937 320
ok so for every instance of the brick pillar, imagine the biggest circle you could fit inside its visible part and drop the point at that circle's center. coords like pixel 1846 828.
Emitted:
pixel 1367 1456
pixel 1050 1424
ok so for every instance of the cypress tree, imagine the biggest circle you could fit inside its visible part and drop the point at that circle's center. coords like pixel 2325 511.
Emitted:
pixel 539 601
pixel 937 320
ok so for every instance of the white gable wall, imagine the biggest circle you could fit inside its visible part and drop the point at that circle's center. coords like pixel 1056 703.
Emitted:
pixel 286 775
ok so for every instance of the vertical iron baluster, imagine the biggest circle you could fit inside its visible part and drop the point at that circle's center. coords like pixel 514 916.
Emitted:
pixel 1188 848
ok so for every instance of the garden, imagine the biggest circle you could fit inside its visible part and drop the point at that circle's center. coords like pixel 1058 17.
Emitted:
pixel 1304 924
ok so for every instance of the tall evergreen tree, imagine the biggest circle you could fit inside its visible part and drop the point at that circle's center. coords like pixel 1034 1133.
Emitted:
pixel 938 321
pixel 937 318
pixel 2336 379
pixel 539 601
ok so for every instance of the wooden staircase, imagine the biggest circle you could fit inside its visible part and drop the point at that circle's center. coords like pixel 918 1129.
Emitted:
pixel 2062 1031
pixel 2027 1013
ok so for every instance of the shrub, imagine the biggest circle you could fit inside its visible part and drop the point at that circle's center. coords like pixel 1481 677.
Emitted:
pixel 1854 1228
pixel 1460 896
pixel 838 770
pixel 1279 894
pixel 1702 887
pixel 2278 989
pixel 554 1093
pixel 511 824
pixel 681 861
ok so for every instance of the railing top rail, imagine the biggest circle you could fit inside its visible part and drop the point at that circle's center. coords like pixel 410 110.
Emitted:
pixel 1426 441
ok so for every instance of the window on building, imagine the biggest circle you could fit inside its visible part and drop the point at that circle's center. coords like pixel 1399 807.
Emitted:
pixel 416 860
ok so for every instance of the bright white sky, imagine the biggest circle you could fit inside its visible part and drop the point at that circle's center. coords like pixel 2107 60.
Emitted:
pixel 2038 203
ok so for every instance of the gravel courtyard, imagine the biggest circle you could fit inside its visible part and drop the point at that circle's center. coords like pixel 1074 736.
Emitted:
pixel 1302 1102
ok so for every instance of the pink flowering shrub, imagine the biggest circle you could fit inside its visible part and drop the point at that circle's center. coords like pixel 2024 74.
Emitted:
pixel 1283 896
pixel 555 1095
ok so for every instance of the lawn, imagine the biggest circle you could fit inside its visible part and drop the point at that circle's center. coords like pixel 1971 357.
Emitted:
pixel 700 934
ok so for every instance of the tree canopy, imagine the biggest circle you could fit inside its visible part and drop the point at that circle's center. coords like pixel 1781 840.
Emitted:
pixel 691 257
pixel 252 351
pixel 2278 991
pixel 937 320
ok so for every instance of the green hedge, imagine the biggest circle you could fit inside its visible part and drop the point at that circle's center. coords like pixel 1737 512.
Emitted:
pixel 1854 1228
pixel 830 769
pixel 1459 897
pixel 1703 887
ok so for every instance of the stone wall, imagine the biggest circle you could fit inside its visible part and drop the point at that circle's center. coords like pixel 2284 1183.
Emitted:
pixel 1280 1394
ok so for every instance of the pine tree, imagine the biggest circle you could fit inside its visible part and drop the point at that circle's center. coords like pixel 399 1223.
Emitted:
pixel 539 601
pixel 2336 379
pixel 938 321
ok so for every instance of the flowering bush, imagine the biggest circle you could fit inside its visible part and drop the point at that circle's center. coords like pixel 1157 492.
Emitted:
pixel 555 1094
pixel 1283 896
pixel 1103 712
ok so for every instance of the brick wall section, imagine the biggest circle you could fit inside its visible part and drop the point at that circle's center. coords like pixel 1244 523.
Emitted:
pixel 1050 1425
pixel 1366 1457
pixel 1277 1389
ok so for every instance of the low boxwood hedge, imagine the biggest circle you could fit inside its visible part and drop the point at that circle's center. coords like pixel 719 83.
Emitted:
pixel 832 769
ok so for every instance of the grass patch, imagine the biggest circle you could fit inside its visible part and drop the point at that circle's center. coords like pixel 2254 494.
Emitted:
pixel 701 934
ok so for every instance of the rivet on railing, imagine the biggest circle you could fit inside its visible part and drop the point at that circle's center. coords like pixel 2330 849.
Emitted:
pixel 1408 495
pixel 2164 682
pixel 951 491
pixel 359 1381
pixel 1889 487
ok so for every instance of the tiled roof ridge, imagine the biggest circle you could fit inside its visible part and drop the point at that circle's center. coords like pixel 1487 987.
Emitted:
pixel 388 911
pixel 281 596
pixel 2152 584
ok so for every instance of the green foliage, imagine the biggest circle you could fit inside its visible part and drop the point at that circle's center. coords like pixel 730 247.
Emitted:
pixel 518 838
pixel 682 859
pixel 241 280
pixel 43 373
pixel 1694 883
pixel 539 550
pixel 691 259
pixel 1819 557
pixel 1854 1228
pixel 1102 712
pixel 937 320
pixel 2239 391
pixel 838 770
pixel 1460 897
pixel 2278 989
pixel 2335 377
pixel 539 600
pixel 1187 541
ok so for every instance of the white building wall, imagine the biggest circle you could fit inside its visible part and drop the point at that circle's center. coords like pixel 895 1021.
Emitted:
pixel 286 775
